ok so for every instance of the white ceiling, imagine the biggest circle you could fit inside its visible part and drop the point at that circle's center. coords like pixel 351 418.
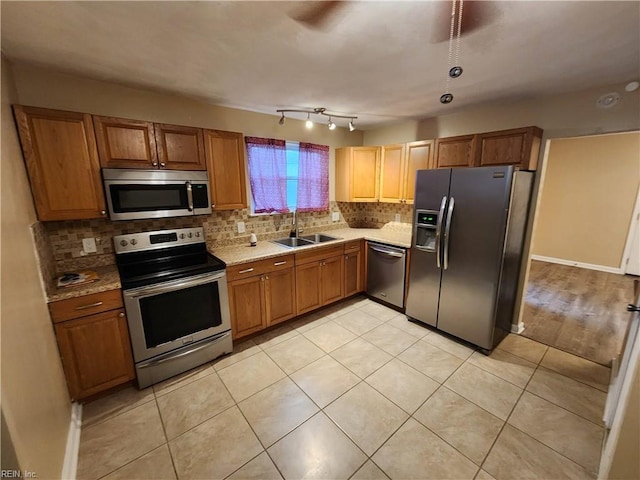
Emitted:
pixel 375 60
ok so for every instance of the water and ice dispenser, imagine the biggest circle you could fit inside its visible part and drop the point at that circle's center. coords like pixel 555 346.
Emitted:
pixel 425 230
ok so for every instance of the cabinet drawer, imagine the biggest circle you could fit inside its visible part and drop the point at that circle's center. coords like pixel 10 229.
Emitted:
pixel 318 254
pixel 352 246
pixel 85 305
pixel 250 269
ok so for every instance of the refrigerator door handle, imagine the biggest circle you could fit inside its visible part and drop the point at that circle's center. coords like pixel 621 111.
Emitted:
pixel 447 228
pixel 439 230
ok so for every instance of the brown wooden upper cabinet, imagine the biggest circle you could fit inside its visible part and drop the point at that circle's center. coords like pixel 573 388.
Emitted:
pixel 455 151
pixel 518 146
pixel 357 174
pixel 60 153
pixel 226 166
pixel 398 171
pixel 125 143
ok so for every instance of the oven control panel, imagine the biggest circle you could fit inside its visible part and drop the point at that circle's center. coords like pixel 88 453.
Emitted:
pixel 136 242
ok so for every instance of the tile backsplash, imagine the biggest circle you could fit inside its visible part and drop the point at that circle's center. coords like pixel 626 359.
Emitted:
pixel 60 243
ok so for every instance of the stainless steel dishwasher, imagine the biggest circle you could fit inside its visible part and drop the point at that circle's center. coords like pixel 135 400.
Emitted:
pixel 386 273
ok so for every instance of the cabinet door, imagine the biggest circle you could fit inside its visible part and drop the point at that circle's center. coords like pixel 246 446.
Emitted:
pixel 62 162
pixel 308 287
pixel 96 352
pixel 365 174
pixel 418 157
pixel 226 165
pixel 352 273
pixel 246 305
pixel 280 295
pixel 124 143
pixel 180 148
pixel 332 275
pixel 519 147
pixel 392 173
pixel 455 151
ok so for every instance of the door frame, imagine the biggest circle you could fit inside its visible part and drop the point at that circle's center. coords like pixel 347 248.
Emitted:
pixel 634 226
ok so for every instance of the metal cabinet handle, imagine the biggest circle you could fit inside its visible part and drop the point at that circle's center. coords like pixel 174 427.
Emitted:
pixel 246 270
pixel 91 305
pixel 155 164
pixel 452 203
pixel 277 264
pixel 443 203
pixel 162 164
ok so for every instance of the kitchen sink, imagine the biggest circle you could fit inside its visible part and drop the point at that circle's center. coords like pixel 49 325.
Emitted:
pixel 318 238
pixel 293 242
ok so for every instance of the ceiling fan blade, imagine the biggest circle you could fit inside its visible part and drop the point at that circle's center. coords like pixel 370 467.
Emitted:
pixel 475 15
pixel 316 15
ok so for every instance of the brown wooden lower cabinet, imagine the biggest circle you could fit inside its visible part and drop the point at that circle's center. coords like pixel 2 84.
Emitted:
pixel 246 305
pixel 95 349
pixel 353 269
pixel 319 278
pixel 280 296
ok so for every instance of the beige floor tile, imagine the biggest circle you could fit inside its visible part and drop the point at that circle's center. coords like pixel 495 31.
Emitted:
pixel 250 375
pixel 502 364
pixel 276 410
pixel 369 471
pixel 188 406
pixel 516 455
pixel 309 322
pixel 275 336
pixel 156 465
pixel 403 385
pixel 379 311
pixel 367 417
pixel 317 449
pixel 482 475
pixel 462 424
pixel 414 452
pixel 577 368
pixel 581 399
pixel 295 353
pixel 325 380
pixel 390 339
pixel 449 345
pixel 430 360
pixel 114 404
pixel 183 379
pixel 361 357
pixel 241 351
pixel 400 321
pixel 358 321
pixel 337 310
pixel 495 395
pixel 329 336
pixel 523 347
pixel 566 433
pixel 215 448
pixel 260 468
pixel 109 445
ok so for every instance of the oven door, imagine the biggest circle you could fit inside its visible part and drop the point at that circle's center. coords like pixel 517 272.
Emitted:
pixel 166 316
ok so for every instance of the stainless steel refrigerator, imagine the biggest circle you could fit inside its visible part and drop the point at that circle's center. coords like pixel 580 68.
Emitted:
pixel 466 251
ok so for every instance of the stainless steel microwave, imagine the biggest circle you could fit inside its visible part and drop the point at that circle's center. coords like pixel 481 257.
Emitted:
pixel 138 194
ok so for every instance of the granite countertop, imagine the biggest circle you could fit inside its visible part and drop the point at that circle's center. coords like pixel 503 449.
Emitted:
pixel 109 280
pixel 235 254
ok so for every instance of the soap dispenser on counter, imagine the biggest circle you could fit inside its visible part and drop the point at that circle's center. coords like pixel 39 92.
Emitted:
pixel 253 240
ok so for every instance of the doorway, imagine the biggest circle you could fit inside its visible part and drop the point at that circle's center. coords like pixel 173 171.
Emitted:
pixel 577 292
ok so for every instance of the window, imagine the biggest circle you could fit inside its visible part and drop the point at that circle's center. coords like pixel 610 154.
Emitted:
pixel 286 176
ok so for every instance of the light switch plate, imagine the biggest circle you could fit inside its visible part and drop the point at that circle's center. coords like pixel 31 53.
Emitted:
pixel 241 227
pixel 89 245
pixel 335 216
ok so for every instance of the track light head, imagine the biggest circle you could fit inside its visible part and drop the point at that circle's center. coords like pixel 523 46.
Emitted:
pixel 351 126
pixel 308 123
pixel 281 122
pixel 332 126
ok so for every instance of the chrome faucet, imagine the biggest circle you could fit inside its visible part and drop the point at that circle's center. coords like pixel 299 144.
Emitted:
pixel 294 225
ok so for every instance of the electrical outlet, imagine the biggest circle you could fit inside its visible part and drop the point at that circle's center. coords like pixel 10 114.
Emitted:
pixel 241 227
pixel 335 216
pixel 89 245
pixel 398 217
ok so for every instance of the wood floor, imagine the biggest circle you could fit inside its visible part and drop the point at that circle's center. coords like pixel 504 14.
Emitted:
pixel 580 311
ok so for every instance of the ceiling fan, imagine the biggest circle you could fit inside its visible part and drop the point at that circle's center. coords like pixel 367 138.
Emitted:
pixel 317 15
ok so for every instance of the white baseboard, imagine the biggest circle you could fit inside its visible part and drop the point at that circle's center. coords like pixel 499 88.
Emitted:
pixel 571 263
pixel 517 328
pixel 73 443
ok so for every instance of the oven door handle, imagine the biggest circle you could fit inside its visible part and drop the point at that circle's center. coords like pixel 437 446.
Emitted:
pixel 172 356
pixel 174 285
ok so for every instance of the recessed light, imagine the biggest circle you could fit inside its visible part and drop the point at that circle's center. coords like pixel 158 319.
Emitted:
pixel 608 100
pixel 632 86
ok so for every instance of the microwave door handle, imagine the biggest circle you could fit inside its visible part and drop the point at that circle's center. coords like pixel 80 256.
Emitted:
pixel 190 196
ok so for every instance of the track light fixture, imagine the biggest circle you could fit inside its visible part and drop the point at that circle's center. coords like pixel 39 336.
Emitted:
pixel 318 111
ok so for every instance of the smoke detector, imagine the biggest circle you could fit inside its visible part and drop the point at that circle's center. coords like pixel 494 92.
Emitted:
pixel 632 86
pixel 608 100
